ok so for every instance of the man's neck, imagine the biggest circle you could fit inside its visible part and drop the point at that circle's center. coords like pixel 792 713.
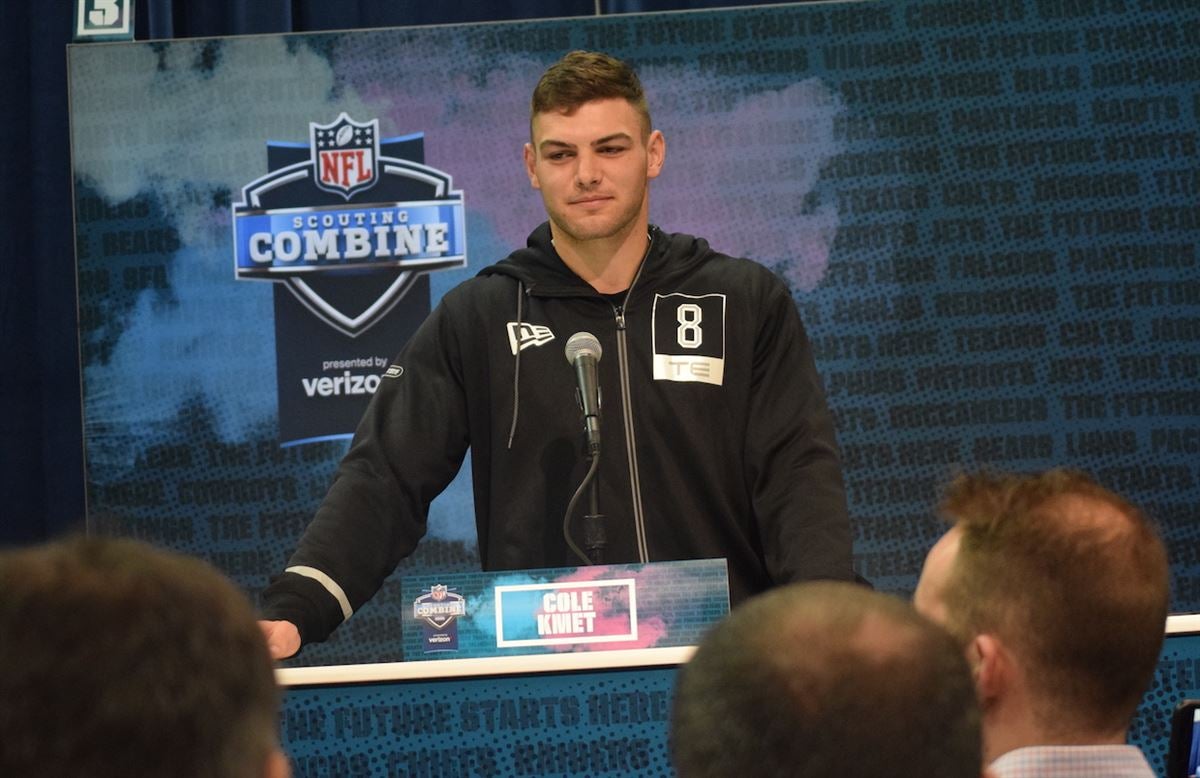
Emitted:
pixel 1000 739
pixel 607 264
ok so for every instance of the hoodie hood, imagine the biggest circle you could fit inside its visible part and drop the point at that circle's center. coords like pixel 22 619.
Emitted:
pixel 542 273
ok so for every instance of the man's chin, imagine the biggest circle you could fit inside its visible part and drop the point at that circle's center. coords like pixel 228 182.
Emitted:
pixel 598 228
pixel 580 233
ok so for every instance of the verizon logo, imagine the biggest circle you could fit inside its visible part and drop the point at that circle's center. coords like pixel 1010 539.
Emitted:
pixel 336 386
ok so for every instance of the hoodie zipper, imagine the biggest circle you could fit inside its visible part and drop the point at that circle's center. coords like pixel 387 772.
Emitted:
pixel 635 485
pixel 639 521
pixel 639 516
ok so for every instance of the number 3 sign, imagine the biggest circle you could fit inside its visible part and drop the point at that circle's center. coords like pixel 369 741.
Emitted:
pixel 103 20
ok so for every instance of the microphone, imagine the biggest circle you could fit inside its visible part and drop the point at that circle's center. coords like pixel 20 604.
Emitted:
pixel 583 351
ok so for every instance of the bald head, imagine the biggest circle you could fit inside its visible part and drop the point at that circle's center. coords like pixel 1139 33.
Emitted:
pixel 826 679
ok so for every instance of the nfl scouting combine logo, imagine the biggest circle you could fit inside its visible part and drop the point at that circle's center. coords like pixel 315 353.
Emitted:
pixel 346 223
pixel 437 609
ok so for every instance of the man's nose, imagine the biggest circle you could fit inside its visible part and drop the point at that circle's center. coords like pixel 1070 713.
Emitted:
pixel 587 172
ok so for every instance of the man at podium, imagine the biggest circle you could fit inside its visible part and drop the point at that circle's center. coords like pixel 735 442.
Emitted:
pixel 717 441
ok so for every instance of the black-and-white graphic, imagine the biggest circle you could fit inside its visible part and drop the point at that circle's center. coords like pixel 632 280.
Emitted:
pixel 522 335
pixel 689 338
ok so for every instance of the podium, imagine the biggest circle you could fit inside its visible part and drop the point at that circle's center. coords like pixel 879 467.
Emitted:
pixel 579 708
pixel 565 671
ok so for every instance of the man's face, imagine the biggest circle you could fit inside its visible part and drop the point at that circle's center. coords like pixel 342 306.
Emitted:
pixel 592 167
pixel 930 597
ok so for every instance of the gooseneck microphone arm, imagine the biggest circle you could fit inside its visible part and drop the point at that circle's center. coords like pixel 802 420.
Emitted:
pixel 592 521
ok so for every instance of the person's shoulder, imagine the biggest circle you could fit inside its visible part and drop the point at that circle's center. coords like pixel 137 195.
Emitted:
pixel 750 274
pixel 473 303
pixel 705 255
pixel 751 269
pixel 482 290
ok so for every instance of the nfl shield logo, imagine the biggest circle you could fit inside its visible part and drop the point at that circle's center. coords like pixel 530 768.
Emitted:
pixel 439 592
pixel 345 155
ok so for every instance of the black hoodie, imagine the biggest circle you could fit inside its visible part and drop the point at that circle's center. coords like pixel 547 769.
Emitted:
pixel 716 438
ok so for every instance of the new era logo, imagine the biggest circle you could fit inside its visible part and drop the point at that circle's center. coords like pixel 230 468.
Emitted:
pixel 523 335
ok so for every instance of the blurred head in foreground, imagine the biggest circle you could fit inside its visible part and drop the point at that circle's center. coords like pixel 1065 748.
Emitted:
pixel 117 660
pixel 826 679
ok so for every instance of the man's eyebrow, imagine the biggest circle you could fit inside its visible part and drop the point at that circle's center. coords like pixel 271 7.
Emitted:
pixel 562 144
pixel 557 144
pixel 613 137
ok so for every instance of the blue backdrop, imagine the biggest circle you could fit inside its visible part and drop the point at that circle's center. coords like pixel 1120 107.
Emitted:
pixel 996 263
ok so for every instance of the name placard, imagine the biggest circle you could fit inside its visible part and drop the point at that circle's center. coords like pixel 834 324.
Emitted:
pixel 598 608
pixel 565 613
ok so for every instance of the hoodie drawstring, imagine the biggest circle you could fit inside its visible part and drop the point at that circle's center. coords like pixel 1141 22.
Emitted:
pixel 517 365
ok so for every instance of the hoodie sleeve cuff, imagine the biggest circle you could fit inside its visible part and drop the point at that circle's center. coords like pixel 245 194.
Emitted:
pixel 303 602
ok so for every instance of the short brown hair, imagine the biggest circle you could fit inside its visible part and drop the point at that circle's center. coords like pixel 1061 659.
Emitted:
pixel 1072 577
pixel 583 76
pixel 119 659
pixel 818 679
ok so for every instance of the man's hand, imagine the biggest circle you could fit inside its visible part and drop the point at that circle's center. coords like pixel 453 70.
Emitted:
pixel 282 638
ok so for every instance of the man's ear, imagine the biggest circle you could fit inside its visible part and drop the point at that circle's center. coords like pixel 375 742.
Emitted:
pixel 656 153
pixel 530 159
pixel 990 666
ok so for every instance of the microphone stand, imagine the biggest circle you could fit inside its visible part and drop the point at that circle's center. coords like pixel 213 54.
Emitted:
pixel 593 526
pixel 594 535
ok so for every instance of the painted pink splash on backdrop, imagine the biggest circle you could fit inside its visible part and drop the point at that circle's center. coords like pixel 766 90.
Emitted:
pixel 741 171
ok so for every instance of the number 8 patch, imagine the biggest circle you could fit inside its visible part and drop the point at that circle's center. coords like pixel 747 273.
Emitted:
pixel 689 338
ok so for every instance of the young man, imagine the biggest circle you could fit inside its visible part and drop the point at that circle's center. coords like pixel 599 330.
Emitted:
pixel 118 660
pixel 826 679
pixel 717 439
pixel 1057 588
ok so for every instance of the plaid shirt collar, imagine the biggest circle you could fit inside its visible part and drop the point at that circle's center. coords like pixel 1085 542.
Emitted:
pixel 1073 762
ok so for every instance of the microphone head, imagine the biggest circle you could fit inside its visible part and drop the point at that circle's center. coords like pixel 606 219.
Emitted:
pixel 582 343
